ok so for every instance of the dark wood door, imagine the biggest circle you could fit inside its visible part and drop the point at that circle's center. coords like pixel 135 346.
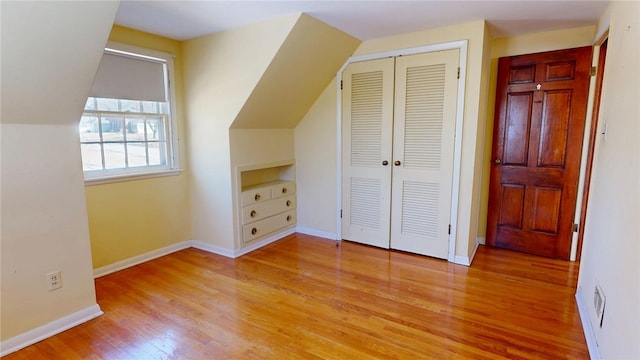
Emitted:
pixel 538 130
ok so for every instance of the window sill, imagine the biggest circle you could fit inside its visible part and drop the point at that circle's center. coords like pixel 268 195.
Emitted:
pixel 130 177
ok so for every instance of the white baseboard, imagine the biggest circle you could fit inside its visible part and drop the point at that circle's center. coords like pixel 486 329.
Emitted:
pixel 481 240
pixel 464 260
pixel 266 241
pixel 230 253
pixel 139 259
pixel 587 328
pixel 318 233
pixel 47 330
pixel 239 252
pixel 218 250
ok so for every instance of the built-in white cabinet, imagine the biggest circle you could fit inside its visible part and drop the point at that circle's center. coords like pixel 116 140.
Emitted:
pixel 267 200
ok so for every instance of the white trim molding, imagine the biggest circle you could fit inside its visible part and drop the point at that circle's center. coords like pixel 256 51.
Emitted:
pixel 242 251
pixel 218 250
pixel 464 260
pixel 47 330
pixel 317 233
pixel 139 259
pixel 266 241
pixel 154 254
pixel 587 328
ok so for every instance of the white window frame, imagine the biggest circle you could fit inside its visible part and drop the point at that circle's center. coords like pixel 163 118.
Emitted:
pixel 94 177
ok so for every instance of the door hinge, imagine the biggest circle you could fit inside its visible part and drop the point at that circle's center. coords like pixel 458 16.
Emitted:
pixel 449 229
pixel 593 71
pixel 340 213
pixel 458 72
pixel 340 84
pixel 575 228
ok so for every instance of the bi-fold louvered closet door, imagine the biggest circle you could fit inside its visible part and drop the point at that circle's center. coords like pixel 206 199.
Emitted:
pixel 399 118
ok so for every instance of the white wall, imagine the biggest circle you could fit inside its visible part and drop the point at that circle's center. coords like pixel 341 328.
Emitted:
pixel 50 53
pixel 611 248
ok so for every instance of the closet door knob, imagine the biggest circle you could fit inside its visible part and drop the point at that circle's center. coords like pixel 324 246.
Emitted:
pixel 397 163
pixel 385 162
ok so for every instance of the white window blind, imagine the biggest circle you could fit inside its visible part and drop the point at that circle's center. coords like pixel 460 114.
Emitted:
pixel 121 76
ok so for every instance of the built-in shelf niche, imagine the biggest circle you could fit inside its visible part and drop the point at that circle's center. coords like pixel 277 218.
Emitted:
pixel 266 174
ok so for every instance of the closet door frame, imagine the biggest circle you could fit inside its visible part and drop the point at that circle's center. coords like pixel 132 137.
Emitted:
pixel 462 46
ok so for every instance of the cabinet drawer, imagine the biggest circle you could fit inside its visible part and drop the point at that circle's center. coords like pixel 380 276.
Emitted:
pixel 283 189
pixel 255 195
pixel 268 225
pixel 263 209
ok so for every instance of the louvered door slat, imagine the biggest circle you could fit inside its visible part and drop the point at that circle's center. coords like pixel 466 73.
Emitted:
pixel 366 118
pixel 424 127
pixel 423 116
pixel 367 123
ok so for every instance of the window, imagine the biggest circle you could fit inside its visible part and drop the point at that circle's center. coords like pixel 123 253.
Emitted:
pixel 127 128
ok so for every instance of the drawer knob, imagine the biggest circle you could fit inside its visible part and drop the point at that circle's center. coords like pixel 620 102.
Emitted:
pixel 284 190
pixel 253 213
pixel 288 202
pixel 289 217
pixel 254 231
pixel 257 197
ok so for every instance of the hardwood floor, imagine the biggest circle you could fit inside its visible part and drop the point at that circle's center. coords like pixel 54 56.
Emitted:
pixel 304 298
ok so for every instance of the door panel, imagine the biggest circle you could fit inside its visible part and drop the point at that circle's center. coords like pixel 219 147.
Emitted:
pixel 367 134
pixel 423 148
pixel 513 203
pixel 516 148
pixel 546 203
pixel 554 128
pixel 540 113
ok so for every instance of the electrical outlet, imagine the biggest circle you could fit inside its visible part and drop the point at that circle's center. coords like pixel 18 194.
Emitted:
pixel 54 280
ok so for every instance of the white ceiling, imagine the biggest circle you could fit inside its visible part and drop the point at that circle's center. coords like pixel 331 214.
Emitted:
pixel 363 19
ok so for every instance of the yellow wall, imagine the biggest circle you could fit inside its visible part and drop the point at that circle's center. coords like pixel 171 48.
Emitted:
pixel 316 159
pixel 43 210
pixel 220 72
pixel 517 45
pixel 303 66
pixel 246 90
pixel 135 217
pixel 611 248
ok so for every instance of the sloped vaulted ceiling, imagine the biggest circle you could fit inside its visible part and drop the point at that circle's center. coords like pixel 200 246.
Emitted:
pixel 304 65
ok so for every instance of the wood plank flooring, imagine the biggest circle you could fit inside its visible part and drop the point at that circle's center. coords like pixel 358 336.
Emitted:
pixel 304 298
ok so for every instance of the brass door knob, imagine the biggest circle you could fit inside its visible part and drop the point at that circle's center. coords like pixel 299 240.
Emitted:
pixel 397 163
pixel 497 161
